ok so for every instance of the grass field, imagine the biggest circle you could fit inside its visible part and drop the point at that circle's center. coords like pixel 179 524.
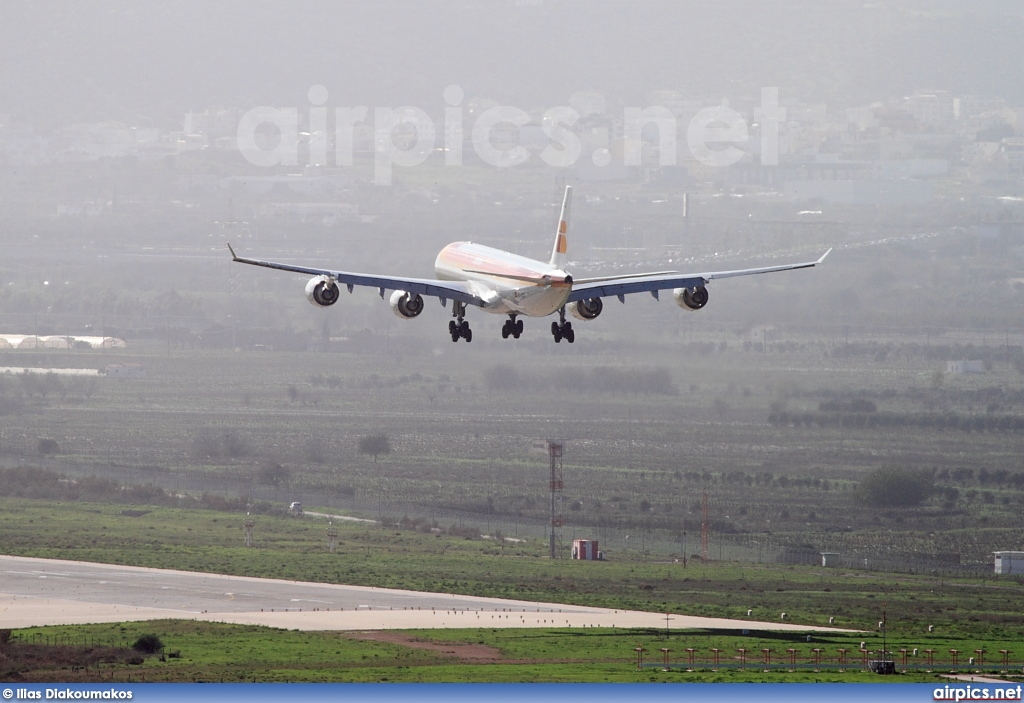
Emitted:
pixel 231 653
pixel 965 614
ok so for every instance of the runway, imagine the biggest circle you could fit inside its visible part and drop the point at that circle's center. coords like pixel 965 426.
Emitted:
pixel 37 592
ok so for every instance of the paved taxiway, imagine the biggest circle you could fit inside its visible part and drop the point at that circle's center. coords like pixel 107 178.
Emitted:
pixel 54 592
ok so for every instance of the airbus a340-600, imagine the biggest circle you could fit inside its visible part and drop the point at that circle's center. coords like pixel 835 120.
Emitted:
pixel 502 283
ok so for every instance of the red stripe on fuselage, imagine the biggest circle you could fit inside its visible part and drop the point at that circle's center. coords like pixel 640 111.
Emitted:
pixel 462 256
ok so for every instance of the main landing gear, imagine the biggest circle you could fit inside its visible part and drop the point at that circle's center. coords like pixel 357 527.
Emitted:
pixel 562 330
pixel 512 327
pixel 459 328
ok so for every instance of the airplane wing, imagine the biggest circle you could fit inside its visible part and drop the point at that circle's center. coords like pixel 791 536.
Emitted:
pixel 586 288
pixel 445 290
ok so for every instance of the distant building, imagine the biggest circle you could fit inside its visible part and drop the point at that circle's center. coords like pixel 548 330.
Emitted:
pixel 830 559
pixel 1012 149
pixel 30 341
pixel 589 103
pixel 963 366
pixel 1009 562
pixel 933 108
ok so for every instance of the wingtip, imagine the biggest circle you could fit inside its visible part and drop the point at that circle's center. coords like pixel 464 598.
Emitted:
pixel 234 256
pixel 824 255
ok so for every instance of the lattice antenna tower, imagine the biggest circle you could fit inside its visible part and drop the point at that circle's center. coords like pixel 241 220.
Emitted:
pixel 555 449
pixel 704 527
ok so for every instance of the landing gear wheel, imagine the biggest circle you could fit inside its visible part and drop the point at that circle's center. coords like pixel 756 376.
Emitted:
pixel 512 327
pixel 459 328
pixel 562 330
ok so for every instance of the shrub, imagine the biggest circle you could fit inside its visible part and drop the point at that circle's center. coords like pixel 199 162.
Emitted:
pixel 148 644
pixel 47 446
pixel 210 444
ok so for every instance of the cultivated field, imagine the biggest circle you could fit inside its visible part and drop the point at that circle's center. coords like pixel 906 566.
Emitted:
pixel 781 442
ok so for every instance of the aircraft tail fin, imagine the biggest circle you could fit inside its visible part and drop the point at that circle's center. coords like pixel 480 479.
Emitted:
pixel 559 254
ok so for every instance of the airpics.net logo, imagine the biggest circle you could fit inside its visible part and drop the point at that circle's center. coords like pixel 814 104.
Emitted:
pixel 408 136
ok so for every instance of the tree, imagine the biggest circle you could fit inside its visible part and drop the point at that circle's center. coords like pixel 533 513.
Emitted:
pixel 375 444
pixel 896 487
pixel 273 474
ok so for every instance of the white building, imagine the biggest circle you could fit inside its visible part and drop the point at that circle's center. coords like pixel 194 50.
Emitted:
pixel 1009 562
pixel 965 366
pixel 830 559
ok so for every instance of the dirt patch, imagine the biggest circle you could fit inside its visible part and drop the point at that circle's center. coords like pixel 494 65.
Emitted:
pixel 460 650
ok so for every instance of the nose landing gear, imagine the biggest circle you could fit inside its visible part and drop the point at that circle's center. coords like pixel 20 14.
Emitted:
pixel 512 327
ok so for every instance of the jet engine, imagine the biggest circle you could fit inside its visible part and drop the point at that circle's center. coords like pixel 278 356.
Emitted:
pixel 322 291
pixel 691 298
pixel 406 306
pixel 586 309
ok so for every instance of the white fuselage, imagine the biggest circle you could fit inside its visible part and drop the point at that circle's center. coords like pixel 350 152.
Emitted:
pixel 508 284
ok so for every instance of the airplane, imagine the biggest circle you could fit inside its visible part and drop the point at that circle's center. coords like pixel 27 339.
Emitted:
pixel 503 283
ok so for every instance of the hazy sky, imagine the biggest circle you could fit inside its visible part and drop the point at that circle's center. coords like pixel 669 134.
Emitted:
pixel 118 59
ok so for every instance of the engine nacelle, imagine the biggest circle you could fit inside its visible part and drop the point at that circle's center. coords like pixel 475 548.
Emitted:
pixel 586 309
pixel 406 306
pixel 322 291
pixel 691 299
